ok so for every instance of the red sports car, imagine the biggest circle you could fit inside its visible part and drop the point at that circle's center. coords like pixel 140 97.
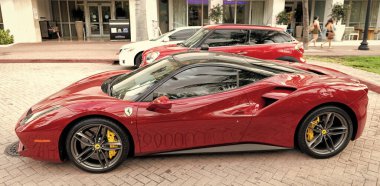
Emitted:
pixel 195 101
pixel 261 42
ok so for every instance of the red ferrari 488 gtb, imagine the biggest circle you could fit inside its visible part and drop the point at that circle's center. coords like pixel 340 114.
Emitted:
pixel 195 101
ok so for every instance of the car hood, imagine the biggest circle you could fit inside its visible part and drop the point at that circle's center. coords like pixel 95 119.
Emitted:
pixel 87 89
pixel 169 49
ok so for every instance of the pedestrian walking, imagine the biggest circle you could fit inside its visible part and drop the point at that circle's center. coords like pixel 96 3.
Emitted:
pixel 330 34
pixel 315 29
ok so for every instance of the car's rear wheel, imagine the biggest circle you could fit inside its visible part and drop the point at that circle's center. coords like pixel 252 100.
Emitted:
pixel 138 59
pixel 97 145
pixel 325 132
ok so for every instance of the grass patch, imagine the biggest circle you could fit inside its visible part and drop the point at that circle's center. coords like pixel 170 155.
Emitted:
pixel 367 63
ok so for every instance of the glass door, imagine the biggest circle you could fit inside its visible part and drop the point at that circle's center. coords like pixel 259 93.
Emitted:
pixel 99 14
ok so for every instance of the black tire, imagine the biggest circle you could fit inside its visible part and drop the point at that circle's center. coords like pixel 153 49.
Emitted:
pixel 328 137
pixel 138 60
pixel 88 127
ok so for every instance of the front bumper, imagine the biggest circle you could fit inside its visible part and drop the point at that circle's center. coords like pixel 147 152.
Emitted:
pixel 40 138
pixel 126 59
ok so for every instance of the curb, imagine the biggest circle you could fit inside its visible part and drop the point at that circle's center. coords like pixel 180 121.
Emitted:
pixel 111 61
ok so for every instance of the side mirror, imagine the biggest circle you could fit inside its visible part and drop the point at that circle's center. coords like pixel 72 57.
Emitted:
pixel 204 47
pixel 161 102
pixel 166 39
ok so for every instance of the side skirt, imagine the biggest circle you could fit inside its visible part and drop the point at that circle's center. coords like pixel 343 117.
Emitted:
pixel 226 148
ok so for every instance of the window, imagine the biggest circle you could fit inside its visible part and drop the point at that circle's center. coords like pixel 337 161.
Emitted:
pixel 182 35
pixel 131 86
pixel 227 38
pixel 200 81
pixel 268 36
pixel 1 20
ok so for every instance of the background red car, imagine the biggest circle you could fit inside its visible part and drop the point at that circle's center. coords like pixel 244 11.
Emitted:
pixel 261 42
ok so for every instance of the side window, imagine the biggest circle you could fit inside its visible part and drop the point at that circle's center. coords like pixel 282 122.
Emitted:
pixel 248 77
pixel 181 35
pixel 267 37
pixel 198 81
pixel 227 38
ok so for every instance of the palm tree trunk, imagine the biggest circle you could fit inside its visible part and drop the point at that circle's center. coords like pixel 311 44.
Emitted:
pixel 305 11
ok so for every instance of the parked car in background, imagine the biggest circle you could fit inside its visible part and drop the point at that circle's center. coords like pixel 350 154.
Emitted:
pixel 131 54
pixel 250 40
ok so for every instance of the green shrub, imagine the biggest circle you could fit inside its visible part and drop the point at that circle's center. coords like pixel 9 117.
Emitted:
pixel 5 37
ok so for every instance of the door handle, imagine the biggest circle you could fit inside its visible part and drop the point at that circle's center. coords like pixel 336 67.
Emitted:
pixel 241 53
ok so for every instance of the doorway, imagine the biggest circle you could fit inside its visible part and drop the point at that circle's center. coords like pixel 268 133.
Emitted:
pixel 99 15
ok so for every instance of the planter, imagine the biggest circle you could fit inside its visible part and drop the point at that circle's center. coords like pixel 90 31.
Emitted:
pixel 79 29
pixel 284 27
pixel 299 30
pixel 339 32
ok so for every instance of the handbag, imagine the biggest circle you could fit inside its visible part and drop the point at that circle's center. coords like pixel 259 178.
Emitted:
pixel 330 35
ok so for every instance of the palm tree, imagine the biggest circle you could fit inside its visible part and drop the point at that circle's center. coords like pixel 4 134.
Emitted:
pixel 305 17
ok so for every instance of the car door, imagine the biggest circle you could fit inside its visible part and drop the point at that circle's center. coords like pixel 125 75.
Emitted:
pixel 207 109
pixel 229 40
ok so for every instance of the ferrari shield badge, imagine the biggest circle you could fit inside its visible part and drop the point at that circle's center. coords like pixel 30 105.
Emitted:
pixel 128 111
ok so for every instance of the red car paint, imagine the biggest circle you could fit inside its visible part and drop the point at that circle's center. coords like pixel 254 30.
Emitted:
pixel 236 116
pixel 270 51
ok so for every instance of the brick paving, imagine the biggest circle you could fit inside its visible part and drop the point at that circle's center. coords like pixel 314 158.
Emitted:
pixel 23 85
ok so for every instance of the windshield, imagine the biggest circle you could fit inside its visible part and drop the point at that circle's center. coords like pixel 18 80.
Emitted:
pixel 195 38
pixel 131 86
pixel 162 36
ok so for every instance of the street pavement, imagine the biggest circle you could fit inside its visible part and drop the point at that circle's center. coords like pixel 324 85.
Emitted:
pixel 23 85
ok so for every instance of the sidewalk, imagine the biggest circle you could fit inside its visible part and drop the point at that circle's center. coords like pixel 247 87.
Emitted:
pixel 61 51
pixel 344 48
pixel 105 51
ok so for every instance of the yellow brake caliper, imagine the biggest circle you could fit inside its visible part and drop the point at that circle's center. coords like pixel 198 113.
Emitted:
pixel 111 139
pixel 309 130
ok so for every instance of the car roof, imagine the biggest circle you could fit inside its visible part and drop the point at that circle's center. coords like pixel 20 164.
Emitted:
pixel 233 60
pixel 242 26
pixel 188 27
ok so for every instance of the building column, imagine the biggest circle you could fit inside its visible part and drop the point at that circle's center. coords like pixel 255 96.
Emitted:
pixel 272 9
pixel 152 23
pixel 328 7
pixel 27 30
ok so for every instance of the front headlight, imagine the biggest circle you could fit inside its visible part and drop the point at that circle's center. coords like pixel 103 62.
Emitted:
pixel 152 56
pixel 36 115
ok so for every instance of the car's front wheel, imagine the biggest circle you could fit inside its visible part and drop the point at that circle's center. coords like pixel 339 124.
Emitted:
pixel 138 59
pixel 325 132
pixel 97 145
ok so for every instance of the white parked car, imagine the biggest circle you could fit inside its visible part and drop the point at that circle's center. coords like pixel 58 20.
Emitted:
pixel 131 54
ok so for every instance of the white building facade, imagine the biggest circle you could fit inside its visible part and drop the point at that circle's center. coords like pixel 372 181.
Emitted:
pixel 23 17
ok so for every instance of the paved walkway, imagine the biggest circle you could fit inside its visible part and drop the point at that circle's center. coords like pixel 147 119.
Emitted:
pixel 105 51
pixel 24 85
pixel 61 51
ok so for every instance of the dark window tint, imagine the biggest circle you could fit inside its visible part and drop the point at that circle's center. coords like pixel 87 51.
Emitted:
pixel 267 37
pixel 182 35
pixel 227 38
pixel 198 81
pixel 201 81
pixel 248 77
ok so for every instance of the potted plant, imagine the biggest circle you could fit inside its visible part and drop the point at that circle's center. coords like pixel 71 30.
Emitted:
pixel 338 13
pixel 216 14
pixel 78 16
pixel 283 19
